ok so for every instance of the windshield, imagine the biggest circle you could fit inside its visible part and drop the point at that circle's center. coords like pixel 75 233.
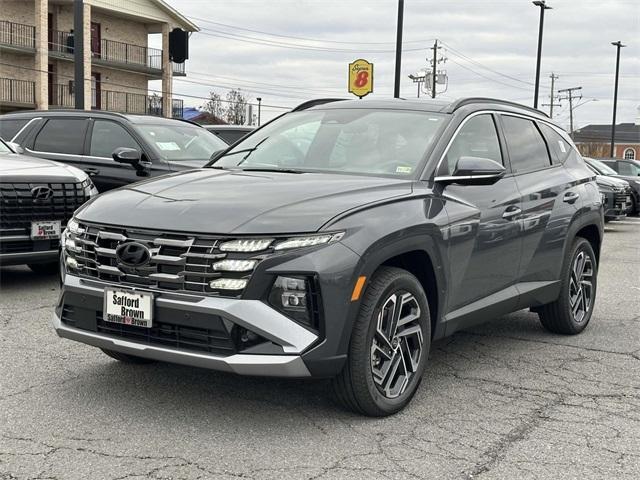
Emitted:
pixel 4 148
pixel 178 142
pixel 603 168
pixel 360 141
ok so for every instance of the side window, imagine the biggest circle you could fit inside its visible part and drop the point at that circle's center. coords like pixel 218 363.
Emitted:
pixel 558 146
pixel 9 128
pixel 477 138
pixel 107 136
pixel 629 169
pixel 62 135
pixel 527 149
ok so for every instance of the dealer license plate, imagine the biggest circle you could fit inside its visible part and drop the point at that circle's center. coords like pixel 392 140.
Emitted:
pixel 45 230
pixel 128 307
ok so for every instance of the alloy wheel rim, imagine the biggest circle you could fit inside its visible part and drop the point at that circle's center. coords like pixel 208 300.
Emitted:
pixel 581 286
pixel 397 344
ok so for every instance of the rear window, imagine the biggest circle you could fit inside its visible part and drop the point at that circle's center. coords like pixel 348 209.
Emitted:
pixel 527 148
pixel 10 127
pixel 559 148
pixel 62 135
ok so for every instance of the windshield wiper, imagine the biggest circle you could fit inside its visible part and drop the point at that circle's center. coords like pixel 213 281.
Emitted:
pixel 270 169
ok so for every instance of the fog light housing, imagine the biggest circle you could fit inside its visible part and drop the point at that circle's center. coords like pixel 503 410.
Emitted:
pixel 292 296
pixel 228 283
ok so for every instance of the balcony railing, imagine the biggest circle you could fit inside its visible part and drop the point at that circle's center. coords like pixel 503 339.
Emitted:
pixel 17 34
pixel 17 91
pixel 62 96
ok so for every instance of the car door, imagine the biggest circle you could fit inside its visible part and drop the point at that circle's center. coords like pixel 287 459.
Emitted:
pixel 61 139
pixel 104 137
pixel 483 232
pixel 550 198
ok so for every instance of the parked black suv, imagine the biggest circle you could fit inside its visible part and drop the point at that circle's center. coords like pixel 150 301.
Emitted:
pixel 37 198
pixel 628 170
pixel 616 192
pixel 338 241
pixel 113 149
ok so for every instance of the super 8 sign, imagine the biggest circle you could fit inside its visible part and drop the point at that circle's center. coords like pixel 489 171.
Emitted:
pixel 360 77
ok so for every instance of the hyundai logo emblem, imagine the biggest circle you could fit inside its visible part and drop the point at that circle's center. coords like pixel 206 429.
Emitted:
pixel 133 254
pixel 41 194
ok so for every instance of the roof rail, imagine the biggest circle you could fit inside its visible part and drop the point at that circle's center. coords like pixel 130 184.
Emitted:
pixel 468 101
pixel 316 102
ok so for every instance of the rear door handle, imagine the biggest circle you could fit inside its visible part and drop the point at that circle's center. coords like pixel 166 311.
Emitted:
pixel 91 171
pixel 571 197
pixel 511 212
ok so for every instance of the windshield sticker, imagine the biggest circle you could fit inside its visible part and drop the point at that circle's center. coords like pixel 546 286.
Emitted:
pixel 562 147
pixel 168 146
pixel 403 169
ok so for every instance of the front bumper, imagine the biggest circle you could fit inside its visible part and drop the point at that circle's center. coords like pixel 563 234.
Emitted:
pixel 254 315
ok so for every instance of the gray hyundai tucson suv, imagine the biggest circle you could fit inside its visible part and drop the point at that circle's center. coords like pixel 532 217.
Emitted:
pixel 340 240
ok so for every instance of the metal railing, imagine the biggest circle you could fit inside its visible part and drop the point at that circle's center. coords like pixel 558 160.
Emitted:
pixel 17 34
pixel 61 42
pixel 17 91
pixel 61 95
pixel 126 53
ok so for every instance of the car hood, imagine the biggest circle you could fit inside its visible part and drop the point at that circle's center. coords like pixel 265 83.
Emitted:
pixel 235 202
pixel 24 168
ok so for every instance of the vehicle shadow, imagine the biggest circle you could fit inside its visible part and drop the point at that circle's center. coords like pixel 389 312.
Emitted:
pixel 198 396
pixel 18 276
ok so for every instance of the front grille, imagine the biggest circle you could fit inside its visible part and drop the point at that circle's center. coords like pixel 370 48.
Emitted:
pixel 21 246
pixel 206 334
pixel 178 262
pixel 18 208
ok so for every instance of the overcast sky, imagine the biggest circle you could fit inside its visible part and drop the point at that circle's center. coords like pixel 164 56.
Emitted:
pixel 287 51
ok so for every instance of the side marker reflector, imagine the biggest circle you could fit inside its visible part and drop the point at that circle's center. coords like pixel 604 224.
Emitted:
pixel 357 289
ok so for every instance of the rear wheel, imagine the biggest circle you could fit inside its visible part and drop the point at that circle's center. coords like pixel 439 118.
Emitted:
pixel 126 358
pixel 389 345
pixel 571 312
pixel 48 268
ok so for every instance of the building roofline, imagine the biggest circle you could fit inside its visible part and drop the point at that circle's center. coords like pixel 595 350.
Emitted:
pixel 174 13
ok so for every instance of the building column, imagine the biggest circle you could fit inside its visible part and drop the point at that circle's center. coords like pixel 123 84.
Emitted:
pixel 86 61
pixel 41 65
pixel 167 74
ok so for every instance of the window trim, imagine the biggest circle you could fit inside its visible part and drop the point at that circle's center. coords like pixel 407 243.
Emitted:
pixel 629 149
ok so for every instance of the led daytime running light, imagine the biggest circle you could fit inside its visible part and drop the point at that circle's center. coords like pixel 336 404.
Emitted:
pixel 234 265
pixel 249 245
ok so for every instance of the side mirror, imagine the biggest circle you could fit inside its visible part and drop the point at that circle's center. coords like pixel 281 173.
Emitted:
pixel 15 147
pixel 132 157
pixel 474 171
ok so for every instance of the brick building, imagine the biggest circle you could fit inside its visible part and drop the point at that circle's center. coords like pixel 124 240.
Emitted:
pixel 37 60
pixel 595 140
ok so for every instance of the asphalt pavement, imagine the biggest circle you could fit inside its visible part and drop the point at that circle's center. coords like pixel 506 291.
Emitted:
pixel 505 400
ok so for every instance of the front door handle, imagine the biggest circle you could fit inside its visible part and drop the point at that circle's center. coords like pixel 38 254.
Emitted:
pixel 511 212
pixel 91 171
pixel 571 197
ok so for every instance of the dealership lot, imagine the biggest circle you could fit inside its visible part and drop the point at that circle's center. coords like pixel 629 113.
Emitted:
pixel 504 400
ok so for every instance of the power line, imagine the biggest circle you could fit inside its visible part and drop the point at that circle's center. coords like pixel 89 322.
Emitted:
pixel 488 78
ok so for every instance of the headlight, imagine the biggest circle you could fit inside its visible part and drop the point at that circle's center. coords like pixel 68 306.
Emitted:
pixel 251 245
pixel 299 242
pixel 293 297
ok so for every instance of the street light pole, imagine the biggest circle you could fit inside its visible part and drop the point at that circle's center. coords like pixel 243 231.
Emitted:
pixel 396 87
pixel 78 53
pixel 259 107
pixel 543 6
pixel 618 46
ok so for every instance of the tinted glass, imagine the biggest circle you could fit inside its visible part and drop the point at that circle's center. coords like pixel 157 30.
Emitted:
pixel 9 128
pixel 177 141
pixel 107 136
pixel 628 168
pixel 527 149
pixel 602 168
pixel 558 146
pixel 359 141
pixel 62 135
pixel 477 138
pixel 231 136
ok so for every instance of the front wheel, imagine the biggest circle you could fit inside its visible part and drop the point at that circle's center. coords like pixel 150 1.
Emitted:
pixel 389 345
pixel 571 312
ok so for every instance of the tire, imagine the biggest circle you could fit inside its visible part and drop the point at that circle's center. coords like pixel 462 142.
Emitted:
pixel 635 207
pixel 48 268
pixel 559 316
pixel 126 358
pixel 355 387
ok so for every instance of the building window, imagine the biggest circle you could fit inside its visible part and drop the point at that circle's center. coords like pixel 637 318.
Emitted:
pixel 629 154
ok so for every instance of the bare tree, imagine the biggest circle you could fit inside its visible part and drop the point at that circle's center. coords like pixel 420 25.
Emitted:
pixel 214 105
pixel 236 107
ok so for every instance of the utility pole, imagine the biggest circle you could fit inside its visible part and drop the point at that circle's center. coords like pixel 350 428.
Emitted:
pixel 418 79
pixel 571 98
pixel 78 53
pixel 435 69
pixel 396 87
pixel 553 77
pixel 618 46
pixel 543 6
pixel 259 108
